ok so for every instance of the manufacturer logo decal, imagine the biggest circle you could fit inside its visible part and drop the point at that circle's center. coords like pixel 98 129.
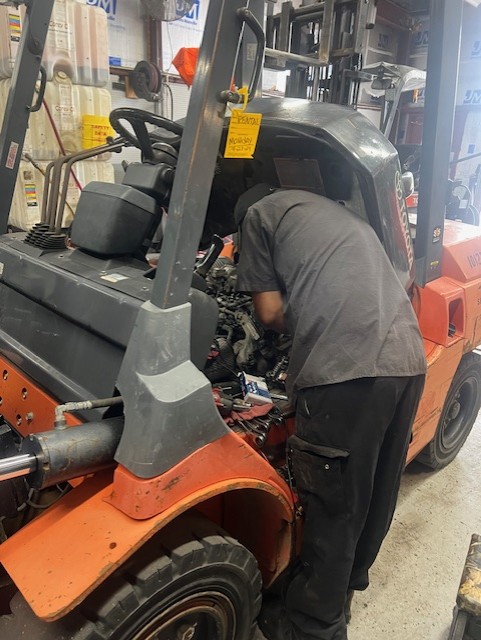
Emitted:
pixel 193 16
pixel 109 6
pixel 422 38
pixel 403 217
pixel 383 42
pixel 476 50
pixel 472 96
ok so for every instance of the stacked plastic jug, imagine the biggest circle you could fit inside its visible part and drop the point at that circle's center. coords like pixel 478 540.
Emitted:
pixel 74 115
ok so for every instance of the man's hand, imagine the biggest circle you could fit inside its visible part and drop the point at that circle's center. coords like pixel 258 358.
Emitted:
pixel 269 308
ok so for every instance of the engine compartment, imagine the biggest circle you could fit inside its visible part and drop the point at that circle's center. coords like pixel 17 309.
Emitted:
pixel 68 313
pixel 240 342
pixel 226 339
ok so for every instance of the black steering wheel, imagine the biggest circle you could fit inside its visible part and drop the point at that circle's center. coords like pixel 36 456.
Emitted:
pixel 144 139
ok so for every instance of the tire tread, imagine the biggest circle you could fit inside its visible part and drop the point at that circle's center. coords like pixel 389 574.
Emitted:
pixel 428 456
pixel 199 545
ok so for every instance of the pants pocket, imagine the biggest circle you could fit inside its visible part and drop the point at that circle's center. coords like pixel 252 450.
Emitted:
pixel 318 471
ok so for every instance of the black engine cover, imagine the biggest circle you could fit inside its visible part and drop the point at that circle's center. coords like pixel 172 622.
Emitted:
pixel 66 317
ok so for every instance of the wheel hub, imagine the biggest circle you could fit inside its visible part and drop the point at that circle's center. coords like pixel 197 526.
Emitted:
pixel 455 409
pixel 203 616
pixel 186 632
pixel 459 413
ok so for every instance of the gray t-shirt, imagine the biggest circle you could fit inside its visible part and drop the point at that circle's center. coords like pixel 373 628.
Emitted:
pixel 345 307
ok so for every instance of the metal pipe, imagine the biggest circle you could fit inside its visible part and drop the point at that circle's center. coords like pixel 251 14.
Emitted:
pixel 85 405
pixel 17 466
pixel 302 12
pixel 294 57
pixel 465 159
pixel 325 42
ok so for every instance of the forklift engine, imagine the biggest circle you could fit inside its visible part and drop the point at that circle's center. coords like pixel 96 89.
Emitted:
pixel 67 313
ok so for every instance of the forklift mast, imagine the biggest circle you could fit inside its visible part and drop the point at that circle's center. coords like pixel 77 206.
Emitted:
pixel 334 73
pixel 18 109
pixel 441 83
pixel 156 388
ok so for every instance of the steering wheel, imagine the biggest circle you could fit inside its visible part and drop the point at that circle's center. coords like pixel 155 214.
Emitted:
pixel 143 139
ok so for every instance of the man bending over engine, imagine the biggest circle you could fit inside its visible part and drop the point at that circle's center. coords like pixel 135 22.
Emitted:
pixel 319 272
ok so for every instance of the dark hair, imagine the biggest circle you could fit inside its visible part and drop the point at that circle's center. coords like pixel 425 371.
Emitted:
pixel 249 198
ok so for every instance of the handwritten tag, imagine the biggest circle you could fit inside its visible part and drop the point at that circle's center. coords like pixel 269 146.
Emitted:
pixel 242 135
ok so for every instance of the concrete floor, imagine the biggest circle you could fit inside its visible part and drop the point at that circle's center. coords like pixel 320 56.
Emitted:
pixel 415 579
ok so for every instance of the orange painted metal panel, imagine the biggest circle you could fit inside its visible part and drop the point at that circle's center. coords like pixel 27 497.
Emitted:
pixel 442 365
pixel 441 303
pixel 472 331
pixel 228 250
pixel 462 251
pixel 24 405
pixel 230 458
pixel 59 558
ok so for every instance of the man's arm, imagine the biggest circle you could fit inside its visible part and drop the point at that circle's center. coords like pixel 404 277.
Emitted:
pixel 269 308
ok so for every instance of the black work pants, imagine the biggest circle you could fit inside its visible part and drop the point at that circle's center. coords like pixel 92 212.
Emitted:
pixel 348 455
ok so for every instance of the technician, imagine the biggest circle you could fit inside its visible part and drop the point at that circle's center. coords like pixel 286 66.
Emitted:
pixel 318 272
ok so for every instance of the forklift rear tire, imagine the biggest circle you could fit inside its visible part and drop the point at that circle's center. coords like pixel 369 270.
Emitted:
pixel 191 582
pixel 458 416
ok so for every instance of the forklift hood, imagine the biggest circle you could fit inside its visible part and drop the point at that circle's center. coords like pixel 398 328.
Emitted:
pixel 337 152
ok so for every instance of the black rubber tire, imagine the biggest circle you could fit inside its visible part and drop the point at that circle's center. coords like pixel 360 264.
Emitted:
pixel 459 625
pixel 195 566
pixel 459 413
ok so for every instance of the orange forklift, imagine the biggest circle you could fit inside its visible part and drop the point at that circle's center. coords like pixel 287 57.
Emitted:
pixel 141 496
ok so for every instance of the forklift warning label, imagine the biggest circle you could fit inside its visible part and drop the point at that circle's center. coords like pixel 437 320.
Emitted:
pixel 15 27
pixel 31 195
pixel 114 277
pixel 12 155
pixel 243 133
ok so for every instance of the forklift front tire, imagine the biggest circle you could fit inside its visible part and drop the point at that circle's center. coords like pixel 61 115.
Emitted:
pixel 458 415
pixel 191 582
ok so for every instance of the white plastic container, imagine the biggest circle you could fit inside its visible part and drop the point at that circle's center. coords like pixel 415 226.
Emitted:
pixel 77 42
pixel 10 33
pixel 27 200
pixel 66 103
pixel 92 45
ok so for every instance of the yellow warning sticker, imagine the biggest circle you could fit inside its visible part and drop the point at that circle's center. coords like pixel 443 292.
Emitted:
pixel 243 134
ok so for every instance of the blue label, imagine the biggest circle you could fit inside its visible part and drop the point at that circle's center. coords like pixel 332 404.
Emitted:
pixel 471 148
pixel 422 38
pixel 109 6
pixel 472 96
pixel 476 50
pixel 193 16
pixel 115 62
pixel 383 42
